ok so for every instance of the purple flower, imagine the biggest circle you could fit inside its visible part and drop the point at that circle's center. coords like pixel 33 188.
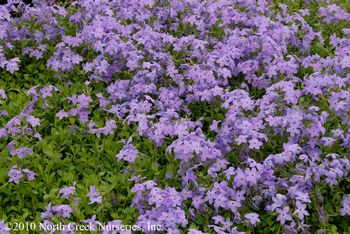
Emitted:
pixel 30 174
pixel 64 60
pixel 12 65
pixel 3 94
pixel 251 176
pixel 67 191
pixel 46 92
pixel 194 231
pixel 283 215
pixel 19 152
pixel 4 228
pixel 241 139
pixel 327 141
pixel 301 210
pixel 252 218
pixel 32 91
pixel 15 174
pixel 3 112
pixel 94 195
pixel 61 114
pixel 48 212
pixel 38 136
pixel 240 178
pixel 127 153
pixel 345 210
pixel 33 121
pixel 255 144
pixel 63 210
pixel 92 223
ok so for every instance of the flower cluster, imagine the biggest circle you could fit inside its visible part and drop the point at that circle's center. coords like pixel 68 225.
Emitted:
pixel 249 101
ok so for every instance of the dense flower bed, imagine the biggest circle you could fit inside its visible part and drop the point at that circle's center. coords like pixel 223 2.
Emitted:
pixel 215 116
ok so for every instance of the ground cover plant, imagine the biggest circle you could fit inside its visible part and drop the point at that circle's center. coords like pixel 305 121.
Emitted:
pixel 215 116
